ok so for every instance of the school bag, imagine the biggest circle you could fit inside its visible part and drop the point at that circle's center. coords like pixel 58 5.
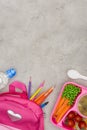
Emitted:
pixel 17 112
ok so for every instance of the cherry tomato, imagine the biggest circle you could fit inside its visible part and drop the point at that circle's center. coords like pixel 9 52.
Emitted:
pixel 78 118
pixel 70 123
pixel 71 115
pixel 82 125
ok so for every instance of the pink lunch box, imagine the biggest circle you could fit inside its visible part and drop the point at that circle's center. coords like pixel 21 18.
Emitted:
pixel 73 108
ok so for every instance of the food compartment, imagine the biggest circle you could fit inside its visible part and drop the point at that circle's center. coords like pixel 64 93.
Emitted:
pixel 74 121
pixel 66 101
pixel 82 105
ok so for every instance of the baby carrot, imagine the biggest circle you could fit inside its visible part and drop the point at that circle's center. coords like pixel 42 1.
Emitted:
pixel 62 113
pixel 65 103
pixel 60 103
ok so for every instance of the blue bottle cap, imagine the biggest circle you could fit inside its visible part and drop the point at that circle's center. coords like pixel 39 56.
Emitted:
pixel 11 73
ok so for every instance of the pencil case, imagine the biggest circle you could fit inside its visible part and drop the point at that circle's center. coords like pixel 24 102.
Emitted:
pixel 17 112
pixel 75 116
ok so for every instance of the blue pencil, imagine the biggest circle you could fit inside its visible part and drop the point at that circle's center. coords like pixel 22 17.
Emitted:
pixel 29 89
pixel 44 104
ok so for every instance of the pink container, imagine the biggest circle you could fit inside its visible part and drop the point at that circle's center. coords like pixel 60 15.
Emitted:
pixel 73 108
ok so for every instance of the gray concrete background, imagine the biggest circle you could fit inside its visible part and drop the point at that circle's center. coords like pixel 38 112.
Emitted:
pixel 43 39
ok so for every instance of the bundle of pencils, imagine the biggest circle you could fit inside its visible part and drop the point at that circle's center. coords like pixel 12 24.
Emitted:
pixel 41 98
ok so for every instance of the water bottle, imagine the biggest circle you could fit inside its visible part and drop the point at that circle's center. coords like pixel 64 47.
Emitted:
pixel 4 77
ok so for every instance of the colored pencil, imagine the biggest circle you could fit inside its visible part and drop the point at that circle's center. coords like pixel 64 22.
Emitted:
pixel 29 89
pixel 44 104
pixel 43 96
pixel 38 90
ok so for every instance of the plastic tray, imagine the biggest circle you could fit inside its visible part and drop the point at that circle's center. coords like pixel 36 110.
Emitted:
pixel 73 108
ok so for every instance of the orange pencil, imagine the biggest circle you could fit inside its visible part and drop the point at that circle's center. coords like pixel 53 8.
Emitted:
pixel 43 96
pixel 36 99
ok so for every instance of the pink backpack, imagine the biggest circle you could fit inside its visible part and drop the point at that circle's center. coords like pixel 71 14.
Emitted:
pixel 17 112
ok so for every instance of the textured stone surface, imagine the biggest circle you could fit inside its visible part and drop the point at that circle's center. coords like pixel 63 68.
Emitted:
pixel 43 39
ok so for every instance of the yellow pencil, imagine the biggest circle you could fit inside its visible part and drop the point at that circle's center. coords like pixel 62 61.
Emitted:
pixel 38 90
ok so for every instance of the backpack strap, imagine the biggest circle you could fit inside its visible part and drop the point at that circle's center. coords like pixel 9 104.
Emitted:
pixel 18 85
pixel 41 126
